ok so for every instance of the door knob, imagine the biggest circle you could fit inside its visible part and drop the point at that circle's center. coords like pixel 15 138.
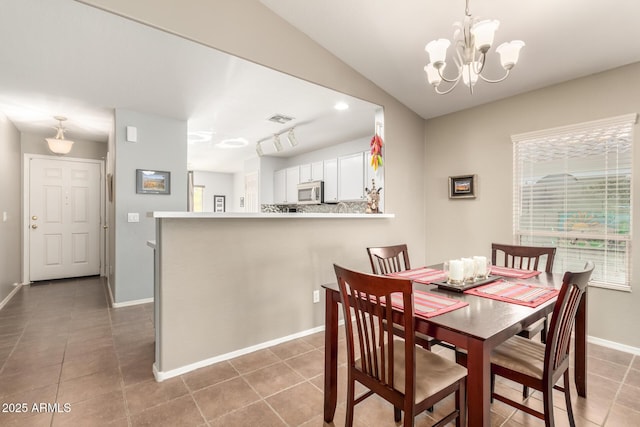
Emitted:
pixel 34 226
pixel 35 218
pixel 105 226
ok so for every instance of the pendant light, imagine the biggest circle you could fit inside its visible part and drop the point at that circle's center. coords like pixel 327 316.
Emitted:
pixel 59 145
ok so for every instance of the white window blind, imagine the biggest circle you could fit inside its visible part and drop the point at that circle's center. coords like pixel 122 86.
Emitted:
pixel 572 190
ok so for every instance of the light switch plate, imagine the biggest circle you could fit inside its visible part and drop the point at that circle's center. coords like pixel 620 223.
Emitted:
pixel 133 217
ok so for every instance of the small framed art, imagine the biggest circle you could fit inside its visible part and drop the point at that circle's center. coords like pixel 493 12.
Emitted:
pixel 219 203
pixel 153 182
pixel 462 187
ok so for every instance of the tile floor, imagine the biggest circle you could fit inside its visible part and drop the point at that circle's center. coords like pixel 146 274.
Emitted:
pixel 61 343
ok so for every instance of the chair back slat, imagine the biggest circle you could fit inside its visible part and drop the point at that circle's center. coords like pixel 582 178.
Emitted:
pixel 522 257
pixel 574 285
pixel 389 259
pixel 366 299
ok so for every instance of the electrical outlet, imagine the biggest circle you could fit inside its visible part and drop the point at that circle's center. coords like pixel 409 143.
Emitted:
pixel 316 296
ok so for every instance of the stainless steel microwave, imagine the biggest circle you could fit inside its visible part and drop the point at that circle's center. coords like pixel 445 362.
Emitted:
pixel 311 193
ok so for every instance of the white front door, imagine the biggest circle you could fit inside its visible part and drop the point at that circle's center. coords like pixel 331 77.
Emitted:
pixel 64 219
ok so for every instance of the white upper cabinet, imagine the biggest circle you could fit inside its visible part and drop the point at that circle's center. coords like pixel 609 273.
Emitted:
pixel 330 181
pixel 279 186
pixel 351 176
pixel 305 172
pixel 293 179
pixel 317 171
pixel 311 172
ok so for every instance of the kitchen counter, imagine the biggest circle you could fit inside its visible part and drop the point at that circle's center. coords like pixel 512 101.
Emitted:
pixel 237 215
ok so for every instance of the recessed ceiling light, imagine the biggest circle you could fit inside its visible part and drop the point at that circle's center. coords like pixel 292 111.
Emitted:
pixel 200 136
pixel 233 143
pixel 340 106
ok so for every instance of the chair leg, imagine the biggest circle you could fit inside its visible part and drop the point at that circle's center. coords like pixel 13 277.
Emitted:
pixel 543 332
pixel 397 414
pixel 493 386
pixel 547 400
pixel 525 392
pixel 350 403
pixel 567 397
pixel 461 403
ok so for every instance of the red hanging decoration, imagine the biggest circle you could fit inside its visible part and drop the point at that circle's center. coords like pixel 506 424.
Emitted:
pixel 376 152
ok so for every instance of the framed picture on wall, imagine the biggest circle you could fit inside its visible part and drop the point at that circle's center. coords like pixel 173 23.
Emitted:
pixel 219 203
pixel 462 187
pixel 153 182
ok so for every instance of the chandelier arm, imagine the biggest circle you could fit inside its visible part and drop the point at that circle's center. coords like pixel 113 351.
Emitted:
pixel 458 61
pixel 495 81
pixel 453 86
pixel 454 80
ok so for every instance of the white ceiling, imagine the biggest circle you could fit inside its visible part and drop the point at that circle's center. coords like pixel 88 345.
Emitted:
pixel 61 57
pixel 384 40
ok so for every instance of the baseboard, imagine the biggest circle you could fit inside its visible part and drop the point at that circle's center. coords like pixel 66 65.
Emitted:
pixel 165 375
pixel 5 301
pixel 125 303
pixel 614 345
pixel 130 303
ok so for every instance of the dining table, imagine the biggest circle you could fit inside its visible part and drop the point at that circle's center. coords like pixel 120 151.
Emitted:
pixel 478 327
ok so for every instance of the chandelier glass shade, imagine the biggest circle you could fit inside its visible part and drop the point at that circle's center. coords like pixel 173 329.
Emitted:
pixel 472 39
pixel 58 144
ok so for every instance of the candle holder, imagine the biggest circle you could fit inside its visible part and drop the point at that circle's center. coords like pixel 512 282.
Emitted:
pixel 454 272
pixel 469 270
pixel 482 267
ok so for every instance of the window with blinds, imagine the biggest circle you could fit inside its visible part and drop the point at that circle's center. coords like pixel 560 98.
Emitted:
pixel 572 190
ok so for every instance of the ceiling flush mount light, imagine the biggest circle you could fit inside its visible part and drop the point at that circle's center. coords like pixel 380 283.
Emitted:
pixel 59 145
pixel 472 40
pixel 233 143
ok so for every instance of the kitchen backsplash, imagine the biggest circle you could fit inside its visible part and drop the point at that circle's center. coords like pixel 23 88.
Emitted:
pixel 342 207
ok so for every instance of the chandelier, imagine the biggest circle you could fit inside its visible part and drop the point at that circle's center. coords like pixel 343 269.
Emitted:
pixel 472 40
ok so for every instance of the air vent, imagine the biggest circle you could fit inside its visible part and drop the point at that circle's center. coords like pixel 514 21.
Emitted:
pixel 280 118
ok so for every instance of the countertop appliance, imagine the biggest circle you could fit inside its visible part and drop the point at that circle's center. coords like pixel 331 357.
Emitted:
pixel 311 193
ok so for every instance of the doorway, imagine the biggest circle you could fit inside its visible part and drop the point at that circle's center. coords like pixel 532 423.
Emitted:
pixel 63 206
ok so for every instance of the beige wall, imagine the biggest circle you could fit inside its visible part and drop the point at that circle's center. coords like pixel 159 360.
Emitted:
pixel 477 141
pixel 11 204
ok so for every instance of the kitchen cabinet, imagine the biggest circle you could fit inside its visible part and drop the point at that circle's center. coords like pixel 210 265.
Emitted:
pixel 311 172
pixel 330 177
pixel 351 175
pixel 292 181
pixel 285 185
pixel 279 187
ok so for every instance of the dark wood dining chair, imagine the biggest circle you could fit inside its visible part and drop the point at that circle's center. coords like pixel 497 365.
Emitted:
pixel 389 259
pixel 539 365
pixel 410 378
pixel 525 258
pixel 392 259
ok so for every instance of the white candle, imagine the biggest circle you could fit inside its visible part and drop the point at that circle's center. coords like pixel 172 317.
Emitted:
pixel 481 265
pixel 468 266
pixel 456 270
